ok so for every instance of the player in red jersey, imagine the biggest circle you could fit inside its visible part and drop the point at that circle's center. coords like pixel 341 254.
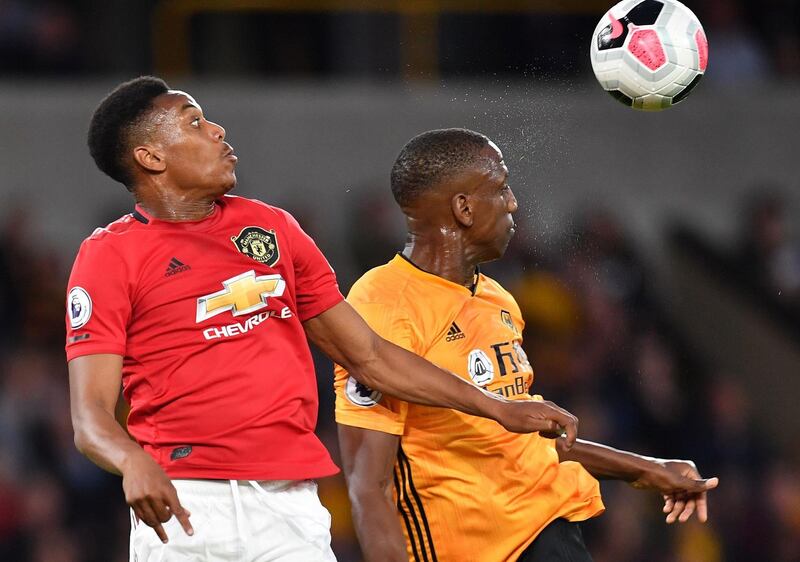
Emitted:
pixel 199 304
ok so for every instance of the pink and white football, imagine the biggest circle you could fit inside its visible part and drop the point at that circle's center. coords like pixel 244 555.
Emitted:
pixel 649 54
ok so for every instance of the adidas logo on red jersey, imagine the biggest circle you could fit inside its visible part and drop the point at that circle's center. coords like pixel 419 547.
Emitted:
pixel 454 333
pixel 176 266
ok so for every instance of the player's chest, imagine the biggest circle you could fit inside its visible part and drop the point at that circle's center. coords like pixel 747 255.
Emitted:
pixel 482 343
pixel 232 272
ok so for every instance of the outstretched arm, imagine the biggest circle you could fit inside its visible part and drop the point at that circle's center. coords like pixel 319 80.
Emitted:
pixel 94 382
pixel 678 481
pixel 381 365
pixel 368 459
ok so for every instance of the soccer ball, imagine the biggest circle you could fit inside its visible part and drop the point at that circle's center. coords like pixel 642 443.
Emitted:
pixel 649 54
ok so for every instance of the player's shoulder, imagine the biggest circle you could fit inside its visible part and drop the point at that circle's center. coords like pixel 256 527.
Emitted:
pixel 383 284
pixel 111 234
pixel 493 285
pixel 245 204
pixel 492 289
pixel 384 298
pixel 108 243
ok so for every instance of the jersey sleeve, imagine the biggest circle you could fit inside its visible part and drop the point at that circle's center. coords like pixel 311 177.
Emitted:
pixel 98 301
pixel 316 288
pixel 358 405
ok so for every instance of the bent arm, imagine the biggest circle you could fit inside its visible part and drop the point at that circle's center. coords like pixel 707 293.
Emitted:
pixel 368 460
pixel 381 365
pixel 347 339
pixel 94 383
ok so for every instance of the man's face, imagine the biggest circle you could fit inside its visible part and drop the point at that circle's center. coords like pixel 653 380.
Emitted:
pixel 493 204
pixel 196 154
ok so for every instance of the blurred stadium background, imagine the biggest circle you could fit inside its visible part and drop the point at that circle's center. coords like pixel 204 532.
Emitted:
pixel 657 261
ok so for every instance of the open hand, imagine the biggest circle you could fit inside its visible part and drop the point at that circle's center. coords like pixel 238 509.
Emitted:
pixel 151 495
pixel 683 489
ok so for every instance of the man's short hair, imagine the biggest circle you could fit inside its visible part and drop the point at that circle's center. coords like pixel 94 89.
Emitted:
pixel 118 122
pixel 431 157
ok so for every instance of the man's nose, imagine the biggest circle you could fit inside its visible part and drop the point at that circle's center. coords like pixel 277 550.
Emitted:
pixel 218 131
pixel 512 202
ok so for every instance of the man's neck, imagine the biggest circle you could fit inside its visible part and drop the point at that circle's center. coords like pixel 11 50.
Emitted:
pixel 168 206
pixel 449 260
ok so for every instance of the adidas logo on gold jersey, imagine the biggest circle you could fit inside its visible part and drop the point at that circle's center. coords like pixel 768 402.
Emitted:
pixel 454 333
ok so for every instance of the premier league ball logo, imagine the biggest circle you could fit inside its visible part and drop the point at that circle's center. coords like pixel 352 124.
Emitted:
pixel 360 394
pixel 79 307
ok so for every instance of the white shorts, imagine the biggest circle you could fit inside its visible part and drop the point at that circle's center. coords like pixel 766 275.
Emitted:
pixel 241 521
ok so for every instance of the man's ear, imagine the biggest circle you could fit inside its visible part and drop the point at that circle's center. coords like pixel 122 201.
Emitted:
pixel 461 204
pixel 149 158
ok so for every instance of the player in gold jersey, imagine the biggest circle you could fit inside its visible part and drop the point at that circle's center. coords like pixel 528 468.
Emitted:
pixel 432 484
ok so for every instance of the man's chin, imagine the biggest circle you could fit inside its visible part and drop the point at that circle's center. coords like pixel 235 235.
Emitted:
pixel 501 251
pixel 230 185
pixel 494 255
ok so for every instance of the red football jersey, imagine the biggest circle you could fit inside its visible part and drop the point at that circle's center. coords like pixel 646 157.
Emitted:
pixel 207 316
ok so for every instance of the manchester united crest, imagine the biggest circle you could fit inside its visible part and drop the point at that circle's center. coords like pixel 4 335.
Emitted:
pixel 259 244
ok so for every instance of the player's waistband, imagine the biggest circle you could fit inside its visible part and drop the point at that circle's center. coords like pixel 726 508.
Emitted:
pixel 222 488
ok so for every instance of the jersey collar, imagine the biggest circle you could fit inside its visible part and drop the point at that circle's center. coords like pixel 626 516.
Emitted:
pixel 406 264
pixel 200 224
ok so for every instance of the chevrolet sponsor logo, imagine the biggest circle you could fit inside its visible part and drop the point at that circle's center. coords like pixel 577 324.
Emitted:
pixel 241 328
pixel 243 294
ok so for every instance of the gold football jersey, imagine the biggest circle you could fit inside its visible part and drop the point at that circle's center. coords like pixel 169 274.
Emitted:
pixel 466 489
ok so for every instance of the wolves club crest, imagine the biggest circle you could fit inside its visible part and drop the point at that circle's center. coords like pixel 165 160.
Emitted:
pixel 259 244
pixel 505 316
